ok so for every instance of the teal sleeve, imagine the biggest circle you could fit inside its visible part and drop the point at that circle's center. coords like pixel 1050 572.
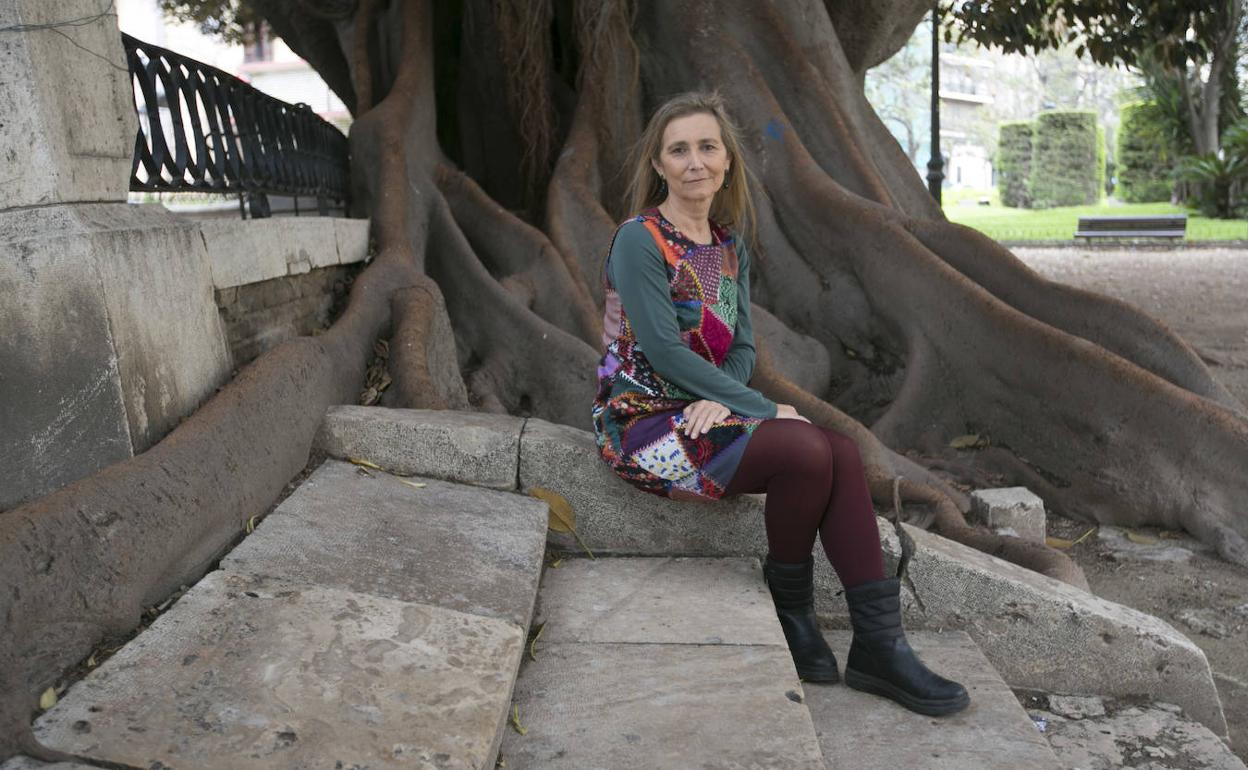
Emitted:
pixel 636 269
pixel 739 363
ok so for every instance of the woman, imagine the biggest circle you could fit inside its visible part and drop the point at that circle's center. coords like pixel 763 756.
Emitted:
pixel 674 414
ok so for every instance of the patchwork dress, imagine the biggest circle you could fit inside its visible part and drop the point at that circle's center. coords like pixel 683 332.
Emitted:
pixel 690 308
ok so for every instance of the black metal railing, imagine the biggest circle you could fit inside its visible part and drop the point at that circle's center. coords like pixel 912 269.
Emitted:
pixel 202 129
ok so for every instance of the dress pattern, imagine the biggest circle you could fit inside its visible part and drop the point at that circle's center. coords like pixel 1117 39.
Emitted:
pixel 638 419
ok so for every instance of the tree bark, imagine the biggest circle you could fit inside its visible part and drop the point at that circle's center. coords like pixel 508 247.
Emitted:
pixel 931 330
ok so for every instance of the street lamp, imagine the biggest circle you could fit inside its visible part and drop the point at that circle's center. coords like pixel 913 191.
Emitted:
pixel 936 164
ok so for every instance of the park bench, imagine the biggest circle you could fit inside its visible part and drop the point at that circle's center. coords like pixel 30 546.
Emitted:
pixel 1157 226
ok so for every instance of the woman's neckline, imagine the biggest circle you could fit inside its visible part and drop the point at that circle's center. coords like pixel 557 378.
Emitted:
pixel 715 241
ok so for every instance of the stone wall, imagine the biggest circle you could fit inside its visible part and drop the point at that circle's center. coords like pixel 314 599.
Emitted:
pixel 257 316
pixel 110 331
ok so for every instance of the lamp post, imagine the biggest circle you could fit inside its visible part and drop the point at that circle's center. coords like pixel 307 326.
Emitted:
pixel 936 164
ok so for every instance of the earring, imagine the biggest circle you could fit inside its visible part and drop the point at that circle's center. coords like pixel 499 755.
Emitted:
pixel 726 180
pixel 662 185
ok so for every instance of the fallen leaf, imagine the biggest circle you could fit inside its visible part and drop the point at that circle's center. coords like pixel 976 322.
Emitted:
pixel 533 644
pixel 365 463
pixel 413 484
pixel 555 564
pixel 969 441
pixel 562 519
pixel 515 720
pixel 48 699
pixel 1140 538
pixel 561 514
pixel 91 660
pixel 1084 536
pixel 1058 542
pixel 251 525
pixel 1169 534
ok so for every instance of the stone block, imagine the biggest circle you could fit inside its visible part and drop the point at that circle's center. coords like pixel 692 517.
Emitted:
pixel 245 252
pixel 112 336
pixel 1014 510
pixel 658 600
pixel 661 707
pixel 1043 634
pixel 352 238
pixel 243 674
pixel 67 119
pixel 865 732
pixel 1144 736
pixel 26 763
pixel 449 545
pixel 614 517
pixel 469 447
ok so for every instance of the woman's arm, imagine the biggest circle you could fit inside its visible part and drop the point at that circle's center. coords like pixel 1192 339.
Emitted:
pixel 638 273
pixel 739 363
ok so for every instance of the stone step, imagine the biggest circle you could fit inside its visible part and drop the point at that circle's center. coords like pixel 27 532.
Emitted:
pixel 659 663
pixel 364 623
pixel 865 732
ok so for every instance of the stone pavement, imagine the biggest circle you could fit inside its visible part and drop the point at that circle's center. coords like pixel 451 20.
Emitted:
pixel 375 620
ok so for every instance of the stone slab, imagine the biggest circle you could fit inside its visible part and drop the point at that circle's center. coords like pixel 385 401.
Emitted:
pixel 243 674
pixel 658 600
pixel 1152 736
pixel 243 252
pixel 26 763
pixel 1011 510
pixel 61 400
pixel 352 240
pixel 469 447
pixel 67 119
pixel 660 707
pixel 865 732
pixel 1043 634
pixel 614 517
pixel 459 547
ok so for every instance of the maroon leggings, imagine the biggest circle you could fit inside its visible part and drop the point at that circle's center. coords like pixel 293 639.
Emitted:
pixel 815 483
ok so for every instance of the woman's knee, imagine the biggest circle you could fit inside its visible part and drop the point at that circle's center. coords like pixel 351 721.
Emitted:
pixel 807 451
pixel 843 449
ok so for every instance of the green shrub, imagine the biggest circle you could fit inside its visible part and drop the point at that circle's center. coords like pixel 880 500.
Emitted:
pixel 1146 157
pixel 1014 163
pixel 1067 161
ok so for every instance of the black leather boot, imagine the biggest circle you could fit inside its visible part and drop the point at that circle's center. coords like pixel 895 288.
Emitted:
pixel 881 661
pixel 793 590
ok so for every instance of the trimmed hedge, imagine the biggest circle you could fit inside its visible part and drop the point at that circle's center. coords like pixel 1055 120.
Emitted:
pixel 1145 157
pixel 1068 162
pixel 1014 141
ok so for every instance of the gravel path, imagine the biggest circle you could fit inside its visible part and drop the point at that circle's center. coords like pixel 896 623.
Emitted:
pixel 1200 293
pixel 1203 295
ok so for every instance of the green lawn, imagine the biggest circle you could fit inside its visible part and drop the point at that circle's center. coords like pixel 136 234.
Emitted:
pixel 1007 224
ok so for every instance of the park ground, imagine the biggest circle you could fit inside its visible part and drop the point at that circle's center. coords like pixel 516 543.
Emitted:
pixel 1201 292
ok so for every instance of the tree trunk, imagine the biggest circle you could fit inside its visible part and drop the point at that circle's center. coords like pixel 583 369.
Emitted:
pixel 935 330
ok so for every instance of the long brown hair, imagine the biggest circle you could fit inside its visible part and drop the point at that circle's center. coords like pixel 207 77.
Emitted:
pixel 732 205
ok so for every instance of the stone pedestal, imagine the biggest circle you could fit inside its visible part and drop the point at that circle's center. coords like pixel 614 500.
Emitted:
pixel 67 119
pixel 1010 511
pixel 110 337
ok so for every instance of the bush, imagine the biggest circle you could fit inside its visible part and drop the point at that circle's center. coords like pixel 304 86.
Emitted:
pixel 1068 161
pixel 1146 156
pixel 1014 164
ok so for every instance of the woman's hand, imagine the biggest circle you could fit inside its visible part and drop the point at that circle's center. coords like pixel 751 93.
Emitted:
pixel 701 415
pixel 786 412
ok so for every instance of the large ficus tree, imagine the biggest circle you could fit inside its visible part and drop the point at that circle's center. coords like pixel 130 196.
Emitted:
pixel 490 147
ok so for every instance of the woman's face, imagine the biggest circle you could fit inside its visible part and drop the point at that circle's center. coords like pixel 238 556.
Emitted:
pixel 692 157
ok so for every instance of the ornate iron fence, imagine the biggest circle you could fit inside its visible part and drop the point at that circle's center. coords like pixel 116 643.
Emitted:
pixel 202 129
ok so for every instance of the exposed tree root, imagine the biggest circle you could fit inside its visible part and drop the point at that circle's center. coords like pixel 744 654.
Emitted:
pixel 423 363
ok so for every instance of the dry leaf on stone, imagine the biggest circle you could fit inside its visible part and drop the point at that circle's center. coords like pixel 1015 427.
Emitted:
pixel 251 525
pixel 561 519
pixel 48 699
pixel 515 720
pixel 533 643
pixel 1059 542
pixel 1140 538
pixel 1084 536
pixel 413 484
pixel 365 463
pixel 969 441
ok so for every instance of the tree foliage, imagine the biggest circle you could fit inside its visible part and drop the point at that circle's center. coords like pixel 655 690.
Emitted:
pixel 230 20
pixel 1146 155
pixel 1014 163
pixel 1068 160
